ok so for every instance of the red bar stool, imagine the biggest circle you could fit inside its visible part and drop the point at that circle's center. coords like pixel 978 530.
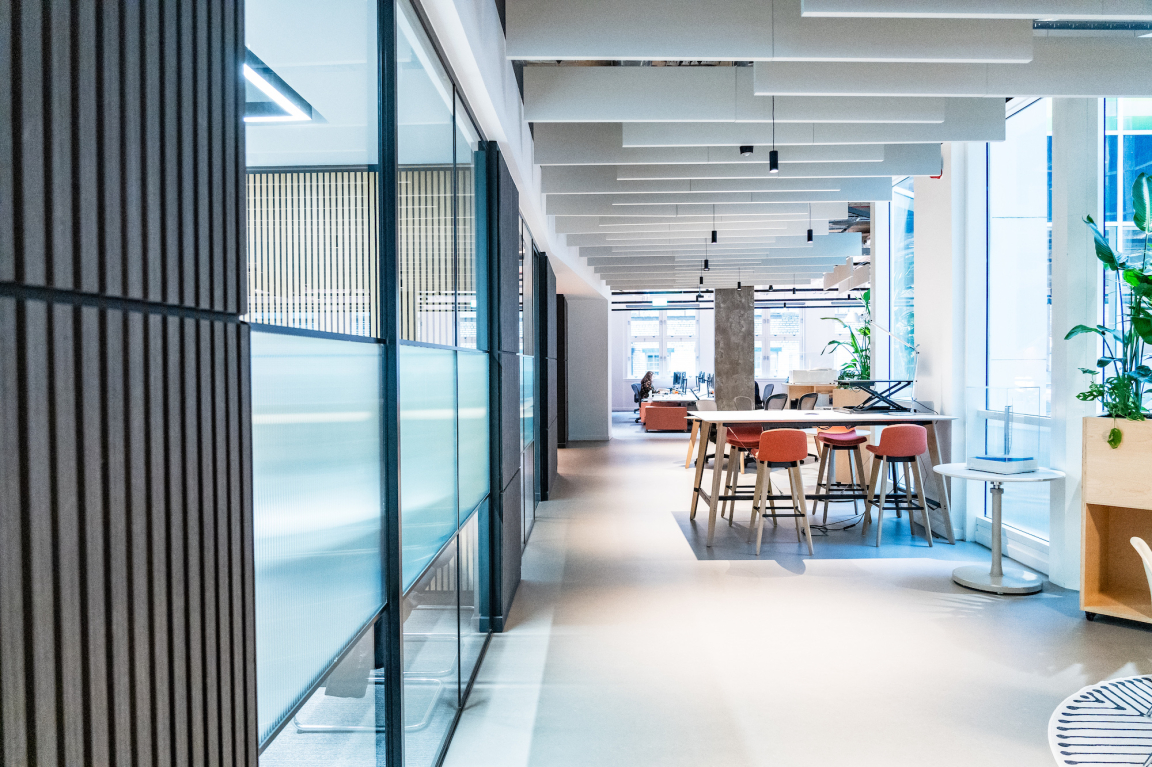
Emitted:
pixel 834 440
pixel 780 449
pixel 899 444
pixel 741 440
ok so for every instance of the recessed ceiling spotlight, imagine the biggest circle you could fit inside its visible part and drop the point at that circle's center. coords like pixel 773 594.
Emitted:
pixel 746 151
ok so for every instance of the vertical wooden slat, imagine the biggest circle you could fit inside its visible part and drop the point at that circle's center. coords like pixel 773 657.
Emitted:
pixel 110 160
pixel 138 537
pixel 178 477
pixel 153 114
pixel 60 142
pixel 7 139
pixel 32 266
pixel 66 497
pixel 247 546
pixel 220 566
pixel 187 180
pixel 93 561
pixel 193 514
pixel 135 265
pixel 158 559
pixel 87 149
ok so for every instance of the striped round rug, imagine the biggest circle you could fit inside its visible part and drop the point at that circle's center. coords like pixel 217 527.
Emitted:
pixel 1107 723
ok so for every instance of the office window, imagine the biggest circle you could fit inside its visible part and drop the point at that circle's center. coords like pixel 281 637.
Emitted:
pixel 786 342
pixel 902 276
pixel 1019 302
pixel 664 342
pixel 759 322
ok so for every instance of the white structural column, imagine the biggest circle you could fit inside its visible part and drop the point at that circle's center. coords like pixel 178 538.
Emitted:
pixel 1077 181
pixel 589 370
pixel 940 295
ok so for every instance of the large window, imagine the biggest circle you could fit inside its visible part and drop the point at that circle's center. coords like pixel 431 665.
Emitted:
pixel 1127 154
pixel 1019 306
pixel 902 283
pixel 663 342
pixel 786 342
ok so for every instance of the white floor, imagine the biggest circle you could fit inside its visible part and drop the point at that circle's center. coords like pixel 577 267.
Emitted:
pixel 628 647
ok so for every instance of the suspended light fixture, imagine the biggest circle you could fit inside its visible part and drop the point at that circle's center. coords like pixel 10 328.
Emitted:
pixel 809 222
pixel 746 150
pixel 713 236
pixel 705 264
pixel 713 224
pixel 773 156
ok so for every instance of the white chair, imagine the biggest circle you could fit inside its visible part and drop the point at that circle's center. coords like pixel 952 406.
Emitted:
pixel 1146 556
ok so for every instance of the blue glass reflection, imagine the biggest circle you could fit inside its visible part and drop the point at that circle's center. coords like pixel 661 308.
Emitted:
pixel 474 436
pixel 316 471
pixel 428 515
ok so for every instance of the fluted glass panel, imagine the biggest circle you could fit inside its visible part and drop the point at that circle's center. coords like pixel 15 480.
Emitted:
pixel 427 454
pixel 317 506
pixel 474 438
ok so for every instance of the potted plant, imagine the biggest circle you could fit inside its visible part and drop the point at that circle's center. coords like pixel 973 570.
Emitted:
pixel 859 366
pixel 1126 375
pixel 1116 504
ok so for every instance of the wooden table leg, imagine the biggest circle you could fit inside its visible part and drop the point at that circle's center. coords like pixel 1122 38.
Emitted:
pixel 721 437
pixel 941 483
pixel 691 443
pixel 701 459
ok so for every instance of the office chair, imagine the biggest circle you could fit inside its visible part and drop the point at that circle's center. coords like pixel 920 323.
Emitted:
pixel 776 402
pixel 758 403
pixel 636 399
pixel 768 389
pixel 808 401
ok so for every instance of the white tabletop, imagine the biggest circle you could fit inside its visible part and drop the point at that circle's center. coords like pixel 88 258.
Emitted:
pixel 961 471
pixel 814 417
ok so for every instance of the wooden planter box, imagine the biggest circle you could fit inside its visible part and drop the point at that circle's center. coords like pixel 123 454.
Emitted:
pixel 1117 505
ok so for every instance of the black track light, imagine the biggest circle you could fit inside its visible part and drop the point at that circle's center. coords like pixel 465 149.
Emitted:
pixel 809 235
pixel 705 265
pixel 773 161
pixel 713 236
pixel 746 151
pixel 701 279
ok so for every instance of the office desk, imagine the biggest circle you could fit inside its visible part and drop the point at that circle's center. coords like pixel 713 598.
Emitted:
pixel 720 420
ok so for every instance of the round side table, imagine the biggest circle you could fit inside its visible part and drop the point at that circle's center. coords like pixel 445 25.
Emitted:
pixel 996 581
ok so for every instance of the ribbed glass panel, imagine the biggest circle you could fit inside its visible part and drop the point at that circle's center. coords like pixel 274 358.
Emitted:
pixel 474 437
pixel 317 506
pixel 428 515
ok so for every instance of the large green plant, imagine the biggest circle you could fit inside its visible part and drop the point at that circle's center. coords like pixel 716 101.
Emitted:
pixel 1124 368
pixel 859 367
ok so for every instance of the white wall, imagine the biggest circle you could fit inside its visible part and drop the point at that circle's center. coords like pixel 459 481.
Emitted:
pixel 589 411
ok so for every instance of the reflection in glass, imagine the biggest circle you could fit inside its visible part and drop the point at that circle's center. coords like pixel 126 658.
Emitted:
pixel 317 505
pixel 428 516
pixel 527 400
pixel 902 271
pixel 431 659
pixel 312 185
pixel 473 583
pixel 1019 258
pixel 471 263
pixel 425 206
pixel 474 436
pixel 342 722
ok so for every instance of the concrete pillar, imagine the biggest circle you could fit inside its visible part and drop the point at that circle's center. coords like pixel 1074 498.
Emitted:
pixel 1077 191
pixel 735 346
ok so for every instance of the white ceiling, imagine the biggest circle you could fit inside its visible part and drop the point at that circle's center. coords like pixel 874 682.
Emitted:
pixel 640 108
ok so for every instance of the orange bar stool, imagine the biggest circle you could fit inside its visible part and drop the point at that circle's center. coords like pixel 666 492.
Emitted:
pixel 741 440
pixel 834 440
pixel 899 444
pixel 781 449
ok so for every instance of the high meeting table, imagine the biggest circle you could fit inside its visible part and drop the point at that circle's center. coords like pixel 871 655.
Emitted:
pixel 720 420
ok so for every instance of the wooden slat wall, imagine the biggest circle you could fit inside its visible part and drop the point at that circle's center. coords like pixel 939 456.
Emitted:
pixel 313 255
pixel 126 599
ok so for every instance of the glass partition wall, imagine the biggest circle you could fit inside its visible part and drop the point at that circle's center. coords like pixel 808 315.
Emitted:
pixel 370 384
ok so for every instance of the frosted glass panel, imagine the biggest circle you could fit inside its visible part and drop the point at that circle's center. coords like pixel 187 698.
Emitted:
pixel 316 467
pixel 473 368
pixel 473 583
pixel 428 515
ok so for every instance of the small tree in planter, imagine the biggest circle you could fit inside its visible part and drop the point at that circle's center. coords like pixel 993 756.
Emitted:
pixel 859 367
pixel 1127 377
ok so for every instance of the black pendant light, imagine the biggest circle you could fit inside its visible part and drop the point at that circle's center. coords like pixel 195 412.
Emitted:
pixel 773 156
pixel 705 264
pixel 809 222
pixel 746 150
pixel 713 224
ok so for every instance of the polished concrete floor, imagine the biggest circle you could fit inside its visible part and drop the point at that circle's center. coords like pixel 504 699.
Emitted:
pixel 628 647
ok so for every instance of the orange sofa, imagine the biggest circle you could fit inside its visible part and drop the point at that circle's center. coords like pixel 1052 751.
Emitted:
pixel 664 417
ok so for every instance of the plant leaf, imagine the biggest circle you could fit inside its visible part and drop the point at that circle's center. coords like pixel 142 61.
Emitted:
pixel 1141 373
pixel 1082 329
pixel 1089 371
pixel 1142 325
pixel 1103 249
pixel 1142 202
pixel 1104 362
pixel 1115 437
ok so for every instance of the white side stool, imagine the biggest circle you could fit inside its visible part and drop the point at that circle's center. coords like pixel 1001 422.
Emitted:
pixel 996 581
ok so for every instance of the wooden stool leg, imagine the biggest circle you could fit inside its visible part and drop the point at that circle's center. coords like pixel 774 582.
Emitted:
pixel 772 502
pixel 692 442
pixel 883 498
pixel 908 497
pixel 858 456
pixel 824 450
pixel 728 469
pixel 876 462
pixel 757 507
pixel 797 481
pixel 828 485
pixel 766 489
pixel 923 501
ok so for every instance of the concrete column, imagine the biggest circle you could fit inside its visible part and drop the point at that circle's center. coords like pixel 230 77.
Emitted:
pixel 1077 190
pixel 735 344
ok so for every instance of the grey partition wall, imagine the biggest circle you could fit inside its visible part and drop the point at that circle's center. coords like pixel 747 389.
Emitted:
pixel 547 365
pixel 125 539
pixel 504 247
